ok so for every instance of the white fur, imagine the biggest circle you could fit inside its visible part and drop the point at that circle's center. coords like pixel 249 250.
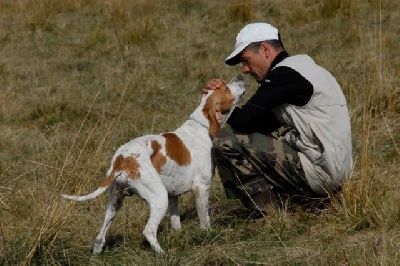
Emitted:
pixel 161 190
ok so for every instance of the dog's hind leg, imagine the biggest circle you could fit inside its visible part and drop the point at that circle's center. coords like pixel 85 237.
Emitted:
pixel 173 207
pixel 113 206
pixel 156 196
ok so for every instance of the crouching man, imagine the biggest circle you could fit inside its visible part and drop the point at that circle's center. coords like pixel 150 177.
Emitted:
pixel 260 163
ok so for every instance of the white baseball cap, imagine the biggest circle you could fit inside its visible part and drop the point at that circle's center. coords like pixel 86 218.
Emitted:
pixel 255 32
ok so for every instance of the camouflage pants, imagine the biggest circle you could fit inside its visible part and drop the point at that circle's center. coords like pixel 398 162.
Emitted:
pixel 252 163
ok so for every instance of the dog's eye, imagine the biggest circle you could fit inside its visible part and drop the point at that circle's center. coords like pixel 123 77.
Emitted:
pixel 225 110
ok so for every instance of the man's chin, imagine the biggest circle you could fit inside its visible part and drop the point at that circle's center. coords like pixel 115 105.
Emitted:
pixel 258 79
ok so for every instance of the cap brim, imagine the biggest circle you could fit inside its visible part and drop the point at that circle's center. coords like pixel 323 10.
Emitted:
pixel 234 57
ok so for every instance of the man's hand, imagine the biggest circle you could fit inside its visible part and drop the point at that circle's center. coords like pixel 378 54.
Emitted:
pixel 214 84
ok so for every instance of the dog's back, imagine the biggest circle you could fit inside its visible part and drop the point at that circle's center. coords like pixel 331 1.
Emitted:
pixel 181 159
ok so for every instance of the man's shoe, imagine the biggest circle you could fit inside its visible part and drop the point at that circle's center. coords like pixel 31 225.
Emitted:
pixel 263 201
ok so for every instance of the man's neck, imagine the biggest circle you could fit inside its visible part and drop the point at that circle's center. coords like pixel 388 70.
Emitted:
pixel 278 58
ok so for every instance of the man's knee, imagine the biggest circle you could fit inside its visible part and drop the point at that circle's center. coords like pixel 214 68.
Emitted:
pixel 223 141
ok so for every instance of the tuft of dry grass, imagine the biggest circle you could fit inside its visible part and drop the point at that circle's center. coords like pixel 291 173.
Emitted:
pixel 79 78
pixel 240 11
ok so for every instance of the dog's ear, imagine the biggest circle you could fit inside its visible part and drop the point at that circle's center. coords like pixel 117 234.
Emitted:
pixel 212 110
pixel 216 119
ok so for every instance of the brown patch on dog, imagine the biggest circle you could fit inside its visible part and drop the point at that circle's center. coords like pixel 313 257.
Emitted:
pixel 176 149
pixel 128 164
pixel 157 159
pixel 220 101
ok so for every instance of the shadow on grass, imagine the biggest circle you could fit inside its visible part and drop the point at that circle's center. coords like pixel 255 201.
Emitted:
pixel 118 240
pixel 233 212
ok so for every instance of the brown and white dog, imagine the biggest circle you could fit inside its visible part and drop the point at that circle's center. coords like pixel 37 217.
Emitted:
pixel 159 168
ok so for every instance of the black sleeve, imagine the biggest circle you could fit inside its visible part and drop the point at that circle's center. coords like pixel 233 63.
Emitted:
pixel 253 119
pixel 282 85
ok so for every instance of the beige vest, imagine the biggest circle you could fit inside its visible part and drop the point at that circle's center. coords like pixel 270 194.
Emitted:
pixel 323 124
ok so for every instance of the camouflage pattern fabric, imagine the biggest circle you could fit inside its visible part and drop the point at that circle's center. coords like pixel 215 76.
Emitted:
pixel 252 163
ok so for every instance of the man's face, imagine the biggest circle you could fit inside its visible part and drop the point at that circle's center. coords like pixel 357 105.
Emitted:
pixel 256 63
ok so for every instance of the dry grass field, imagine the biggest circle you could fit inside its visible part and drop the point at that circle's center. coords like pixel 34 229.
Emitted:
pixel 78 78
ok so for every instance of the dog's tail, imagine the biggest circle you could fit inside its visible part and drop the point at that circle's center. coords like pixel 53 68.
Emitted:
pixel 90 196
pixel 95 193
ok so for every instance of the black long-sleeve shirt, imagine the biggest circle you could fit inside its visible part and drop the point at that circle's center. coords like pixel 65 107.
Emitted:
pixel 281 85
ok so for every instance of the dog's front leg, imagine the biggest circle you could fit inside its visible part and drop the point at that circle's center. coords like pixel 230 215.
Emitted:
pixel 201 195
pixel 173 207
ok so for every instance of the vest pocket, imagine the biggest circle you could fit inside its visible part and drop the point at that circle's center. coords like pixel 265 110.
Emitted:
pixel 313 151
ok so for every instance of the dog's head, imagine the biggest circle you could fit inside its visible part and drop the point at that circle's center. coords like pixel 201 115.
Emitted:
pixel 221 102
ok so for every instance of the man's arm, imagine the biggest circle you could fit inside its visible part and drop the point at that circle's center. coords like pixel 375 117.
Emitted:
pixel 283 85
